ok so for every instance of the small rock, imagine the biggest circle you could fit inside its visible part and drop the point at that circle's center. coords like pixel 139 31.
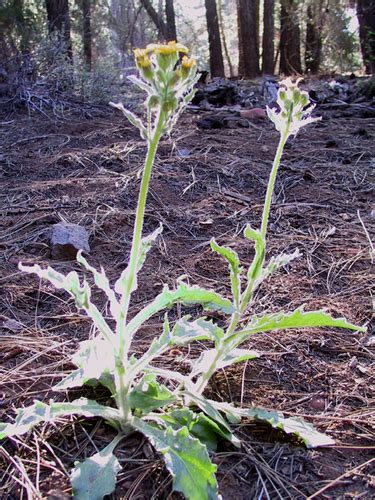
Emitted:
pixel 253 114
pixel 67 239
pixel 264 148
pixel 318 404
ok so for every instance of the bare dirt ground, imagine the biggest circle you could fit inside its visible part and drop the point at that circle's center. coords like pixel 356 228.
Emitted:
pixel 205 183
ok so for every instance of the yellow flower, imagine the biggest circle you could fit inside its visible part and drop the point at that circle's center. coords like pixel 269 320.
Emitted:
pixel 167 49
pixel 187 63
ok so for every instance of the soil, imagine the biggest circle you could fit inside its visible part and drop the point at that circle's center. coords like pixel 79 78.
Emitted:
pixel 85 170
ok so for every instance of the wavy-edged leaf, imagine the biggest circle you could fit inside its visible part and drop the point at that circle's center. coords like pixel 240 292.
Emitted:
pixel 121 285
pixel 81 293
pixel 290 425
pixel 186 331
pixel 41 412
pixel 149 395
pixel 235 356
pixel 95 361
pixel 95 477
pixel 279 261
pixel 186 458
pixel 134 120
pixel 141 84
pixel 234 266
pixel 185 294
pixel 199 425
pixel 284 321
pixel 102 282
pixel 255 235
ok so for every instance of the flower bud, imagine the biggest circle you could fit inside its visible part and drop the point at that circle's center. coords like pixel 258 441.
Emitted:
pixel 153 101
pixel 282 94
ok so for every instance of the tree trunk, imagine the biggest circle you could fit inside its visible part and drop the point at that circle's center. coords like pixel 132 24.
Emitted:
pixel 157 20
pixel 171 21
pixel 313 50
pixel 59 22
pixel 216 54
pixel 224 39
pixel 290 52
pixel 248 43
pixel 366 19
pixel 268 52
pixel 86 33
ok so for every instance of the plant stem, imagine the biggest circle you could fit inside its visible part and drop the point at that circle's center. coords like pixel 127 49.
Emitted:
pixel 124 340
pixel 271 182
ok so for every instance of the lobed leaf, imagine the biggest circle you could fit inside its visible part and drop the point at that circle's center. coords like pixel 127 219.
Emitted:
pixel 95 477
pixel 186 331
pixel 186 459
pixel 95 361
pixel 41 412
pixel 284 321
pixel 121 284
pixel 235 356
pixel 291 425
pixel 185 294
pixel 234 266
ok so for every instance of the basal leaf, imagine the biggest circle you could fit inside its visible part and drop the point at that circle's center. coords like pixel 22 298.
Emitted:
pixel 185 294
pixel 290 425
pixel 283 321
pixel 121 284
pixel 149 395
pixel 235 356
pixel 95 477
pixel 186 459
pixel 234 266
pixel 41 412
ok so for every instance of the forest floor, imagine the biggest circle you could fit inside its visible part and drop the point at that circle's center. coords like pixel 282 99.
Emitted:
pixel 205 183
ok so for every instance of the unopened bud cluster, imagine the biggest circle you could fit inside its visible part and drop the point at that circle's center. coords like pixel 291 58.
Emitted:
pixel 295 108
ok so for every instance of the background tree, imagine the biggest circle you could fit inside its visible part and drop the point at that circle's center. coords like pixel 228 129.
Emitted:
pixel 268 45
pixel 366 19
pixel 157 19
pixel 290 51
pixel 86 33
pixel 59 22
pixel 214 42
pixel 171 20
pixel 314 25
pixel 248 45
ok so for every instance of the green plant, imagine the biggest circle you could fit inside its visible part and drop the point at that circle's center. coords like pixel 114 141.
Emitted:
pixel 167 406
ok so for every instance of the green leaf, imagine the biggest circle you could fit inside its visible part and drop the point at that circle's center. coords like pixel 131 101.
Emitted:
pixel 149 395
pixel 293 425
pixel 284 321
pixel 41 412
pixel 141 84
pixel 234 266
pixel 95 477
pixel 281 260
pixel 199 425
pixel 146 244
pixel 185 294
pixel 235 356
pixel 95 360
pixel 186 459
pixel 186 331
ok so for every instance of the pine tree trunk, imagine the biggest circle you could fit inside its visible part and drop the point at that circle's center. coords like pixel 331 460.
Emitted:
pixel 171 20
pixel 366 19
pixel 59 22
pixel 86 34
pixel 313 50
pixel 290 52
pixel 248 43
pixel 216 54
pixel 268 52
